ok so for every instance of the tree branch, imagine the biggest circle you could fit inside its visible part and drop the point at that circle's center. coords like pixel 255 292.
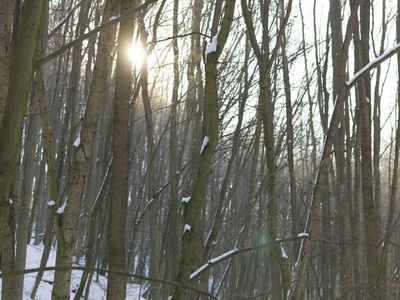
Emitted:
pixel 22 272
pixel 372 64
pixel 90 33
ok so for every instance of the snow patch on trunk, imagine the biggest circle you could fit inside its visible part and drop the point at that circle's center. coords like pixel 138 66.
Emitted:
pixel 61 209
pixel 78 140
pixel 205 142
pixel 186 228
pixel 186 199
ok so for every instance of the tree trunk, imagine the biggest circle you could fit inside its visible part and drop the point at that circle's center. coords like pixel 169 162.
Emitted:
pixel 17 98
pixel 116 287
pixel 172 252
pixel 245 231
pixel 192 207
pixel 151 181
pixel 23 212
pixel 371 233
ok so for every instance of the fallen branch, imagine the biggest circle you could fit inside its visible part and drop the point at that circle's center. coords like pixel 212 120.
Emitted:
pixel 183 286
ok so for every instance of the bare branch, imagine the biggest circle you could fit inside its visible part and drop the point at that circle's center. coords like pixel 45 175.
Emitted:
pixel 90 33
pixel 99 270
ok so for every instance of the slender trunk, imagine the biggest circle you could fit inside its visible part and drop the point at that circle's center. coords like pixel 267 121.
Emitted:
pixel 245 231
pixel 377 127
pixel 371 232
pixel 290 143
pixel 172 221
pixel 17 99
pixel 395 178
pixel 265 63
pixel 339 76
pixel 23 213
pixel 116 287
pixel 151 175
pixel 6 8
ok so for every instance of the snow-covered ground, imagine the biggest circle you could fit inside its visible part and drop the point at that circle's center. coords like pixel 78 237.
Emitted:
pixel 98 290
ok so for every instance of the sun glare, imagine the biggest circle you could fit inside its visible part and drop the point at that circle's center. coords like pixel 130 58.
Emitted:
pixel 137 55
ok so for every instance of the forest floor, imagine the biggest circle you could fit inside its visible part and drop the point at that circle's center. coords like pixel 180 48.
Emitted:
pixel 98 290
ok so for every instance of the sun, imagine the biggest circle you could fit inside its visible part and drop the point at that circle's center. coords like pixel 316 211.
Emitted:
pixel 136 55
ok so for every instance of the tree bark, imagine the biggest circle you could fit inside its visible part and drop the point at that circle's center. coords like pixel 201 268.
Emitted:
pixel 116 287
pixel 151 175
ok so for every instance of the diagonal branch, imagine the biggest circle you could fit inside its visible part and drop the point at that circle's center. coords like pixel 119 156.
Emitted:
pixel 99 270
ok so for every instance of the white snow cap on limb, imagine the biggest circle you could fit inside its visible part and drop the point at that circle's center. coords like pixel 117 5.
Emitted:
pixel 186 228
pixel 61 209
pixel 51 203
pixel 214 44
pixel 78 140
pixel 205 142
pixel 377 60
pixel 186 199
pixel 284 253
pixel 303 234
pixel 10 200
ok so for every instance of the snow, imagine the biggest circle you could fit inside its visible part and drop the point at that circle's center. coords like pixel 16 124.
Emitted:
pixel 186 228
pixel 112 18
pixel 195 273
pixel 51 203
pixel 212 262
pixel 333 111
pixel 98 290
pixel 377 60
pixel 61 209
pixel 78 140
pixel 205 142
pixel 59 24
pixel 213 45
pixel 289 141
pixel 303 234
pixel 222 256
pixel 367 99
pixel 284 253
pixel 10 200
pixel 186 199
pixel 63 19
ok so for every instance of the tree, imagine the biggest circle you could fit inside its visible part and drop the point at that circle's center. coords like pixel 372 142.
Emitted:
pixel 192 207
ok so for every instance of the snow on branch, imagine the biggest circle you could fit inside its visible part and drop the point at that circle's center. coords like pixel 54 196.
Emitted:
pixel 186 199
pixel 61 209
pixel 236 251
pixel 59 24
pixel 186 228
pixel 214 44
pixel 372 64
pixel 213 262
pixel 205 142
pixel 77 142
pixel 303 234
